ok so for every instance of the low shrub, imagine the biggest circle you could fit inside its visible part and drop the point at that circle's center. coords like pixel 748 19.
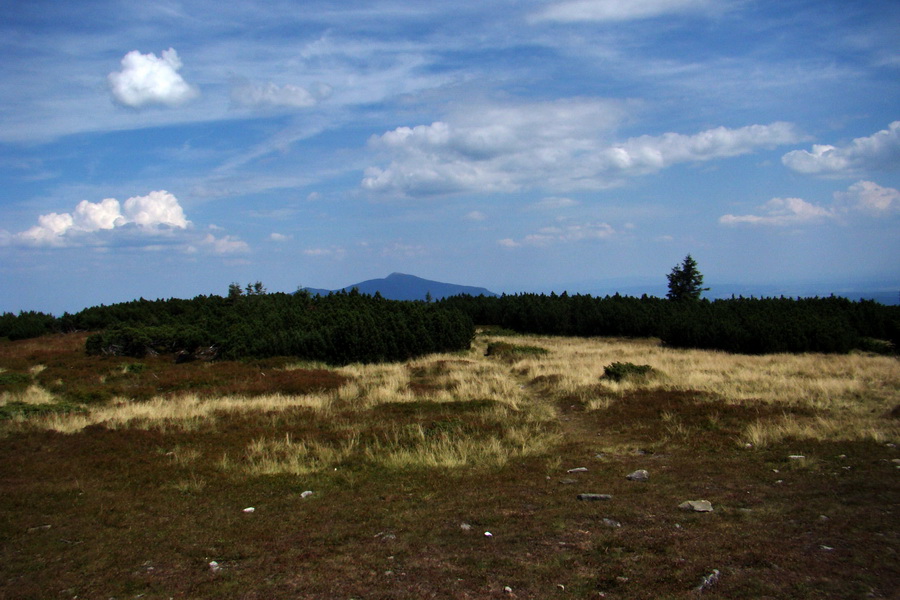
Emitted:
pixel 619 371
pixel 13 409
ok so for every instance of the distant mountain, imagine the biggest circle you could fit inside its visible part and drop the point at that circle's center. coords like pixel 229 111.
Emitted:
pixel 398 286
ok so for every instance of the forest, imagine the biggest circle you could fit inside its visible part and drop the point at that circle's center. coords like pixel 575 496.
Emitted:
pixel 337 329
pixel 347 327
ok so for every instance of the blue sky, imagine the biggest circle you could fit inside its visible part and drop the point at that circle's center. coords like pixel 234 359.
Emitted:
pixel 167 149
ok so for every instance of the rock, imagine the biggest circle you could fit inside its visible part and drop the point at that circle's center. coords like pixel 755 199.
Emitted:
pixel 306 494
pixel 567 481
pixel 611 523
pixel 488 534
pixel 796 457
pixel 639 475
pixel 696 505
pixel 708 581
pixel 249 509
pixel 594 497
pixel 214 567
pixel 577 470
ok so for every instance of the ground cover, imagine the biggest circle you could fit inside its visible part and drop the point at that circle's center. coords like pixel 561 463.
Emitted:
pixel 124 479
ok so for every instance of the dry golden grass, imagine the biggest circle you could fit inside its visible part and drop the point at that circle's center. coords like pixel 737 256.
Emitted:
pixel 824 397
pixel 180 413
pixel 848 396
pixel 34 394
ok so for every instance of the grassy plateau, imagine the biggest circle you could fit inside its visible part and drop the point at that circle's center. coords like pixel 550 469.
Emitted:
pixel 451 476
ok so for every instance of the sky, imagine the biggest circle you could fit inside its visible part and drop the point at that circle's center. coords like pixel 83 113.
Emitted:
pixel 170 148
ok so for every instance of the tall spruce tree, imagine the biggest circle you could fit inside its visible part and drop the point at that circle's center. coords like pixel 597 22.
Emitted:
pixel 685 281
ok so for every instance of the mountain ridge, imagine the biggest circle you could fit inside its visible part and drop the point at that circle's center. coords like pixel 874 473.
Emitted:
pixel 401 286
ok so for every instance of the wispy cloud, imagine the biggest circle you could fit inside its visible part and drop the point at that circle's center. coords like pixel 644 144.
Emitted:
pixel 620 10
pixel 863 197
pixel 146 79
pixel 273 95
pixel 563 233
pixel 564 145
pixel 879 151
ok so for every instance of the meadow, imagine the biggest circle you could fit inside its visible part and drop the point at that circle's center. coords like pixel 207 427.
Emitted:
pixel 452 475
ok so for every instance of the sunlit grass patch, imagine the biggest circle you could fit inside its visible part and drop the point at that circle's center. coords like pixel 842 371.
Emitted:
pixel 418 447
pixel 181 413
pixel 194 484
pixel 831 427
pixel 286 455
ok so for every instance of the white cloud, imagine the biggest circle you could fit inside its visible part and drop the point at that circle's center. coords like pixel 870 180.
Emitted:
pixel 864 197
pixel 868 197
pixel 781 212
pixel 149 213
pixel 562 234
pixel 562 145
pixel 270 94
pixel 476 215
pixel 619 10
pixel 335 252
pixel 554 202
pixel 156 208
pixel 879 151
pixel 279 237
pixel 92 216
pixel 225 245
pixel 146 79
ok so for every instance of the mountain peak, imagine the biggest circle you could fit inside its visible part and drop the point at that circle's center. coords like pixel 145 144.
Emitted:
pixel 401 286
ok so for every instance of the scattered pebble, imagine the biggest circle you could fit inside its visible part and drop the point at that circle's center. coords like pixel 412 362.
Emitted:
pixel 249 509
pixel 488 534
pixel 708 581
pixel 577 470
pixel 594 497
pixel 214 567
pixel 639 475
pixel 611 523
pixel 696 505
pixel 306 494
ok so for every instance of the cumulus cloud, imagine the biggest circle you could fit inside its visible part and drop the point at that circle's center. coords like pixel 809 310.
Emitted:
pixel 554 202
pixel 272 95
pixel 146 79
pixel 279 237
pixel 781 212
pixel 150 213
pixel 863 197
pixel 868 197
pixel 618 10
pixel 879 151
pixel 225 245
pixel 562 145
pixel 562 234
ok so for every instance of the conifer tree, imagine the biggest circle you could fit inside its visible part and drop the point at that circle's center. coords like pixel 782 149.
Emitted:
pixel 685 281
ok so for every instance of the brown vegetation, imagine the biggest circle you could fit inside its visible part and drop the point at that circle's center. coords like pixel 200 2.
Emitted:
pixel 126 479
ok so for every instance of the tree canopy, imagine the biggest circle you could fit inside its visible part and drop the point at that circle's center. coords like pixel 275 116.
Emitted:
pixel 685 281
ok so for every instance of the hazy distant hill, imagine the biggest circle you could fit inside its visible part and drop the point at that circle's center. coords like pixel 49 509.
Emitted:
pixel 398 286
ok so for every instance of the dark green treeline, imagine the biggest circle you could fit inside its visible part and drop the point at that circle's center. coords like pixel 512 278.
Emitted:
pixel 741 325
pixel 338 329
